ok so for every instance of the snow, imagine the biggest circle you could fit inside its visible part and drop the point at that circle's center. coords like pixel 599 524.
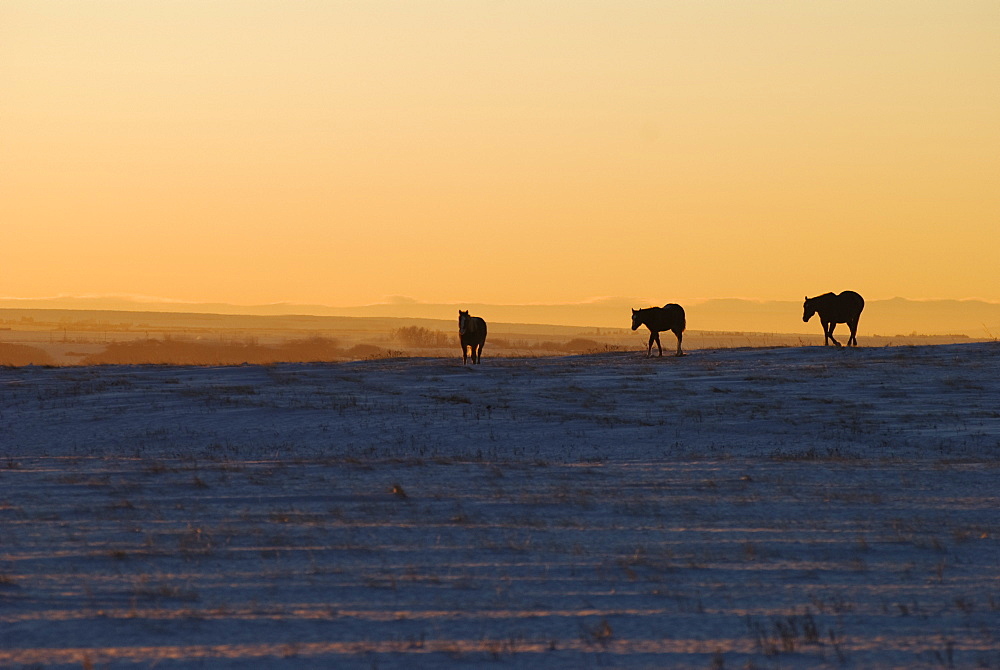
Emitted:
pixel 788 507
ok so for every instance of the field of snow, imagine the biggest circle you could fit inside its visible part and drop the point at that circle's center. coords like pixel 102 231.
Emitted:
pixel 735 508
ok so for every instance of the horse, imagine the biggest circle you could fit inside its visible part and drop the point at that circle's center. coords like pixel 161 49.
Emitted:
pixel 833 309
pixel 471 334
pixel 668 317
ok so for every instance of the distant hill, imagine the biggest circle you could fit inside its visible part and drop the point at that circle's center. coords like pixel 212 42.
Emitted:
pixel 898 316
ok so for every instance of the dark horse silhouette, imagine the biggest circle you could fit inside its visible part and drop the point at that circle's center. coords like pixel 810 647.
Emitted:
pixel 668 317
pixel 472 334
pixel 833 309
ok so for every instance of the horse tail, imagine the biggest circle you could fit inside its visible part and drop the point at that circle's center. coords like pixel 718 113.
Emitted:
pixel 854 299
pixel 680 323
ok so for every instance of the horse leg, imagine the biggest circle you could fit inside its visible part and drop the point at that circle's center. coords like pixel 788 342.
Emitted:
pixel 833 324
pixel 853 325
pixel 658 345
pixel 680 336
pixel 465 353
pixel 479 353
pixel 649 345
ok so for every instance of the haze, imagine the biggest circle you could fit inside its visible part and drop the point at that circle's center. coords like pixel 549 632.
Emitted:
pixel 337 153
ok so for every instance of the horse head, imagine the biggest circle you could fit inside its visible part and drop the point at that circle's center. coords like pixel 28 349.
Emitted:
pixel 808 309
pixel 463 321
pixel 636 319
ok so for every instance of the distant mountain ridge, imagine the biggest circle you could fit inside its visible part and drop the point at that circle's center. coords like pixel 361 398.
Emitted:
pixel 897 316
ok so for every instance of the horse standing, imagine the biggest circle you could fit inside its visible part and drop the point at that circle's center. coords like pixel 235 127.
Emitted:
pixel 833 309
pixel 471 334
pixel 669 317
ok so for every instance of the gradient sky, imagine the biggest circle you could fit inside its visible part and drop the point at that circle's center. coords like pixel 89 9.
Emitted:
pixel 343 152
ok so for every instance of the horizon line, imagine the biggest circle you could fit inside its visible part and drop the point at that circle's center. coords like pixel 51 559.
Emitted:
pixel 404 301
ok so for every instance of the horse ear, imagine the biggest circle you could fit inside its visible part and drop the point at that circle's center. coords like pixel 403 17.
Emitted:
pixel 633 310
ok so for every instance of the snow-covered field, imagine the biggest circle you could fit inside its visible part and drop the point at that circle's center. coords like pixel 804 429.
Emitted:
pixel 737 508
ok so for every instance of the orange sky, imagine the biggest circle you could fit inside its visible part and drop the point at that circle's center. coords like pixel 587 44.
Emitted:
pixel 509 152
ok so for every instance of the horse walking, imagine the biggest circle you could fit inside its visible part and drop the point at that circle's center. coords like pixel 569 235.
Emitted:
pixel 471 334
pixel 669 317
pixel 833 309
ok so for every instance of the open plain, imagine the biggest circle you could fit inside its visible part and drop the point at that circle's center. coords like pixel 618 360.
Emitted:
pixel 793 507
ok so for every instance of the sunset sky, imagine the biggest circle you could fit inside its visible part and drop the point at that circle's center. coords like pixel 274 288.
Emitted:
pixel 342 153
